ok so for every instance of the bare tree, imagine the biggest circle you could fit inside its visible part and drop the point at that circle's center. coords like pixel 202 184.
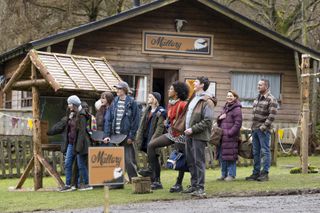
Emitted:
pixel 295 19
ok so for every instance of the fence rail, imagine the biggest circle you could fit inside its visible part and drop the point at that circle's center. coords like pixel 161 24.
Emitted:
pixel 16 152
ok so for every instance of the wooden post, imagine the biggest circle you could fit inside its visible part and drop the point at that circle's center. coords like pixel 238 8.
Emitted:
pixel 305 67
pixel 274 145
pixel 36 132
pixel 106 199
pixel 314 102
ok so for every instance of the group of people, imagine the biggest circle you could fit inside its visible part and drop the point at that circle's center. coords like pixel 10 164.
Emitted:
pixel 156 127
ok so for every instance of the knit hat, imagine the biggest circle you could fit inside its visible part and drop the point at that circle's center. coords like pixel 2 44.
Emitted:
pixel 75 100
pixel 157 96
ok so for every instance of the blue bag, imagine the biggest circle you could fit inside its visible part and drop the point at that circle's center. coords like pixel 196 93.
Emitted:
pixel 177 161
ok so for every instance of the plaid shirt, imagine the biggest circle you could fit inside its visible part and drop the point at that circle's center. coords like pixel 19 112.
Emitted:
pixel 264 111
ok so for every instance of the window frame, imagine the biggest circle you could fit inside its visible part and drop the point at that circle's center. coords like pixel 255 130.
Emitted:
pixel 26 99
pixel 281 75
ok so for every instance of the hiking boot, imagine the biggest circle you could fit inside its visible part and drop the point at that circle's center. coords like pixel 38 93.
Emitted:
pixel 176 188
pixel 145 172
pixel 67 188
pixel 221 178
pixel 263 177
pixel 252 177
pixel 189 190
pixel 229 178
pixel 85 187
pixel 199 193
pixel 156 185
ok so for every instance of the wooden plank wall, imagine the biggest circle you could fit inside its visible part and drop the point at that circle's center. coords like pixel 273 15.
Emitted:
pixel 235 48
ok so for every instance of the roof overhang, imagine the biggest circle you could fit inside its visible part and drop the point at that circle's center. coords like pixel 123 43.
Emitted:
pixel 63 73
pixel 92 26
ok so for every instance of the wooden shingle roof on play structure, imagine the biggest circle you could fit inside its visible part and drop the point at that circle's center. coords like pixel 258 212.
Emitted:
pixel 65 73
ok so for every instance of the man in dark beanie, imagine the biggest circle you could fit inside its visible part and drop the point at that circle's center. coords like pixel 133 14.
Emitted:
pixel 122 118
pixel 151 127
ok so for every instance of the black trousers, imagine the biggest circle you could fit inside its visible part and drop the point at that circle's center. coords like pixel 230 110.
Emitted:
pixel 153 160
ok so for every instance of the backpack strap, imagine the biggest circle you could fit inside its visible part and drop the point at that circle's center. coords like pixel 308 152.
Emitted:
pixel 177 112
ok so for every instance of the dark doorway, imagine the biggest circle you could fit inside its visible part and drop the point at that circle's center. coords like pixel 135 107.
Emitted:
pixel 162 79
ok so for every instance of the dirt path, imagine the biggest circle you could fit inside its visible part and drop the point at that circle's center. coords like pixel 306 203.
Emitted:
pixel 293 203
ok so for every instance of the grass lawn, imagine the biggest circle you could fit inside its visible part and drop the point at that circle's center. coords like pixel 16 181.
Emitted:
pixel 280 179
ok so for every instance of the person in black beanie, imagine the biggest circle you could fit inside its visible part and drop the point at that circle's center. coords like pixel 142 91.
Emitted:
pixel 151 126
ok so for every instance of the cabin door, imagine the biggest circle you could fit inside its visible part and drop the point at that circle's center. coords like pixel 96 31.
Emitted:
pixel 162 79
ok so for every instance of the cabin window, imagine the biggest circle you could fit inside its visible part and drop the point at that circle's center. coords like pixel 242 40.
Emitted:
pixel 26 99
pixel 138 86
pixel 245 84
pixel 8 100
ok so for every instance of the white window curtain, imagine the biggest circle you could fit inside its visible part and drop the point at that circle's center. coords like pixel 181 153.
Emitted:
pixel 138 86
pixel 141 88
pixel 245 84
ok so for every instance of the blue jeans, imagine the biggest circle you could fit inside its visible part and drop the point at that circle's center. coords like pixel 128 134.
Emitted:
pixel 261 151
pixel 228 168
pixel 69 159
pixel 82 161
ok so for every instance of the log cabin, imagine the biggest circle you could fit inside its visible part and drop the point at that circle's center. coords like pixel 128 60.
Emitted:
pixel 152 45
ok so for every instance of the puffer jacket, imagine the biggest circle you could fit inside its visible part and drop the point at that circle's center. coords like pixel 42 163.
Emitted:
pixel 231 126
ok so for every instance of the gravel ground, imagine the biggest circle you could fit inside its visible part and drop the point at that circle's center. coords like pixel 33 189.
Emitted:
pixel 292 203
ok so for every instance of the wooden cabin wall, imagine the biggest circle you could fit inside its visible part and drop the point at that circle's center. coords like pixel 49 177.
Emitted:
pixel 235 48
pixel 11 66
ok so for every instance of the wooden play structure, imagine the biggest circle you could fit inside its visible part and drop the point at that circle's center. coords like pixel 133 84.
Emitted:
pixel 53 74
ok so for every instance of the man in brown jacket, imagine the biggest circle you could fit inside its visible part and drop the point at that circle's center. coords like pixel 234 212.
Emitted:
pixel 199 116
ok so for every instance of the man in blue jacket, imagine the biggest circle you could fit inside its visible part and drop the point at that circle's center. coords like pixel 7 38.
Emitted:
pixel 123 117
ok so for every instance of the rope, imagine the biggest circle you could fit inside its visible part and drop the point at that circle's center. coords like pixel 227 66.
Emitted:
pixel 283 150
pixel 310 74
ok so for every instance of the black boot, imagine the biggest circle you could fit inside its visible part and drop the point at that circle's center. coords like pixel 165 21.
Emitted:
pixel 176 188
pixel 156 184
pixel 145 172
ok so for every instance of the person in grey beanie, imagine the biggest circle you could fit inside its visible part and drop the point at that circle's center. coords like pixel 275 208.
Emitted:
pixel 75 142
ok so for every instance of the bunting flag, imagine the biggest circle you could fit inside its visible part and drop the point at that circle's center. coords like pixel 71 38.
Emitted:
pixel 30 124
pixel 294 131
pixel 280 133
pixel 14 122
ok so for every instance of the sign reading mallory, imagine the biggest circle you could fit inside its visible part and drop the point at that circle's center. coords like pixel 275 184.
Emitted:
pixel 106 165
pixel 177 43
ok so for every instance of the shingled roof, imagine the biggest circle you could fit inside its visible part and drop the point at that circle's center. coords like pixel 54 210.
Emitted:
pixel 63 72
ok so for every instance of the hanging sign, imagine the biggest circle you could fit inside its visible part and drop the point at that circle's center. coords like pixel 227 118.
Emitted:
pixel 177 44
pixel 106 165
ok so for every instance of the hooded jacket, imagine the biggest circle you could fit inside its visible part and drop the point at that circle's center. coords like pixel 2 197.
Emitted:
pixel 231 126
pixel 202 117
